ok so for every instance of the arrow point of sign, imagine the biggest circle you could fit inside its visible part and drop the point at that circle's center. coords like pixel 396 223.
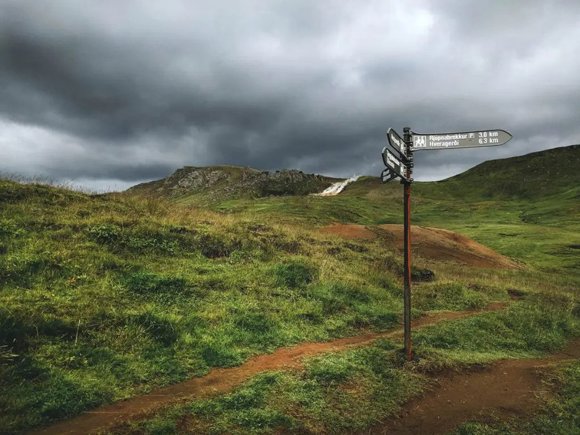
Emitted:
pixel 508 133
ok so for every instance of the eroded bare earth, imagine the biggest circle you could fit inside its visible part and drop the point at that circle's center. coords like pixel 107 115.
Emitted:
pixel 507 388
pixel 430 243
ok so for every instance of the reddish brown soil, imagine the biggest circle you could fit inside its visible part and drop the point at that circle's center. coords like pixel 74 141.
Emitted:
pixel 222 380
pixel 430 243
pixel 350 231
pixel 507 389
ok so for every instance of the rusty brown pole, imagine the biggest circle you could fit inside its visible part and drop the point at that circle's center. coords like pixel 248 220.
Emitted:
pixel 407 247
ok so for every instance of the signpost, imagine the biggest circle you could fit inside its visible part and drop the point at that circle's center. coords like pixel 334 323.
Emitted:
pixel 394 164
pixel 403 168
pixel 396 142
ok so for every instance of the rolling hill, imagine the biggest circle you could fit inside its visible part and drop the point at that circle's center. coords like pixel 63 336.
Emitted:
pixel 530 176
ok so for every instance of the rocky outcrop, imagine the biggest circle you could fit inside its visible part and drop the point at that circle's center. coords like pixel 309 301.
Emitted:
pixel 228 182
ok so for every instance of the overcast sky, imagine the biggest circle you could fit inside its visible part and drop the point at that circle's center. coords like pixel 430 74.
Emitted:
pixel 108 93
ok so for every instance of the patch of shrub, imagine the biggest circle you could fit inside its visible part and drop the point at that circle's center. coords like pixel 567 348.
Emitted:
pixel 9 229
pixel 138 239
pixel 255 322
pixel 22 271
pixel 422 275
pixel 17 327
pixel 355 247
pixel 212 246
pixel 313 315
pixel 335 250
pixel 334 369
pixel 217 353
pixel 11 192
pixel 384 320
pixel 13 330
pixel 106 234
pixel 161 330
pixel 338 297
pixel 294 274
pixel 448 296
pixel 273 242
pixel 148 283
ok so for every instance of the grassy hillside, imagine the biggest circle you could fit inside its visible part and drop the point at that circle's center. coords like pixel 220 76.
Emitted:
pixel 106 297
pixel 102 298
pixel 532 198
pixel 534 175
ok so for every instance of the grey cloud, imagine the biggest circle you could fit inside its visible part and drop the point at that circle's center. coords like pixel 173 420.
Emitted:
pixel 132 90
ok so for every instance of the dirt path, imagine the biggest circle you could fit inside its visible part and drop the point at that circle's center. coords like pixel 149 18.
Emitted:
pixel 508 388
pixel 223 380
pixel 429 243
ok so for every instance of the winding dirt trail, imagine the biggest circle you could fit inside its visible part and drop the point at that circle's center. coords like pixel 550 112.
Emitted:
pixel 508 388
pixel 223 380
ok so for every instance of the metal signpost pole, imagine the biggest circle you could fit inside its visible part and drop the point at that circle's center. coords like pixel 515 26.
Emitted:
pixel 407 244
pixel 400 165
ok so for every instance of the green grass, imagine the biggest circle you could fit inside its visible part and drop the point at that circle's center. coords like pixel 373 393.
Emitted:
pixel 335 393
pixel 107 297
pixel 354 389
pixel 541 323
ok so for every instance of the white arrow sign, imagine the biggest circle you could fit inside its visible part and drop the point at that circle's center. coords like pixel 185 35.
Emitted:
pixel 394 164
pixel 469 139
pixel 397 142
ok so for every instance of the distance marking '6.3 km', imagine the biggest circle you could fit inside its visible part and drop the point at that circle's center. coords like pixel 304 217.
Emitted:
pixel 469 139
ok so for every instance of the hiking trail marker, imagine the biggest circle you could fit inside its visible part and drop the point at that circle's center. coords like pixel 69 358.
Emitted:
pixel 400 165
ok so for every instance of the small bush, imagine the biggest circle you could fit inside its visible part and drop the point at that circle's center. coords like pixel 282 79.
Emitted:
pixel 161 330
pixel 255 322
pixel 139 239
pixel 106 234
pixel 294 274
pixel 147 283
pixel 24 270
pixel 447 296
pixel 339 297
pixel 16 327
pixel 422 275
pixel 330 370
pixel 218 353
pixel 212 246
pixel 10 229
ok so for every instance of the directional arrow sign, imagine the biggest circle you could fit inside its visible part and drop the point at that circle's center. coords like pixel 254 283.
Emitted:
pixel 387 175
pixel 394 164
pixel 396 142
pixel 469 139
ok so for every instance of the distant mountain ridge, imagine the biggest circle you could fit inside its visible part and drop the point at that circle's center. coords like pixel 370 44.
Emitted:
pixel 532 175
pixel 229 182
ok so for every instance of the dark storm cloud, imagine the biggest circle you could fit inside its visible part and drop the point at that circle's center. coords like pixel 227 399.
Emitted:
pixel 127 91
